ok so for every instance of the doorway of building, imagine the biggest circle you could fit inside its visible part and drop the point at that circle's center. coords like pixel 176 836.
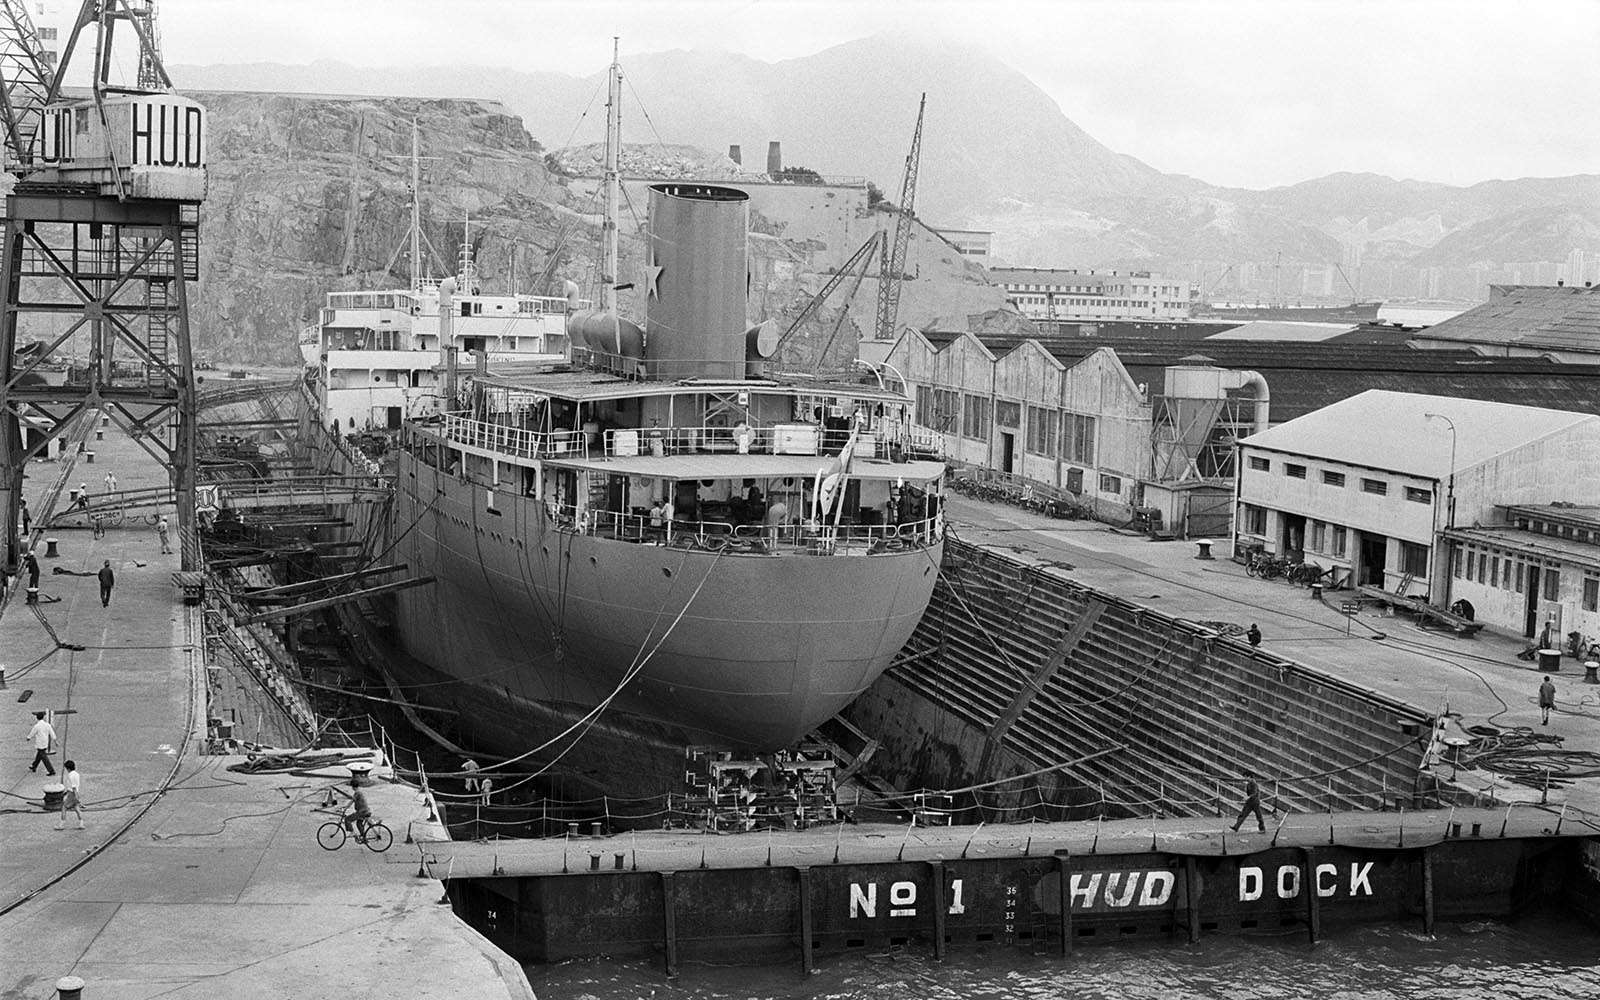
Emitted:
pixel 393 415
pixel 1531 623
pixel 1373 552
pixel 1008 451
pixel 1292 541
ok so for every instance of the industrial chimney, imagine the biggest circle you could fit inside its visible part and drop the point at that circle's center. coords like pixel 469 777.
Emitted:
pixel 774 158
pixel 735 154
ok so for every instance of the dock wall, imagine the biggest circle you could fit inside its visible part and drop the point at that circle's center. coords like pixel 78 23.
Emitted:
pixel 1015 668
pixel 765 913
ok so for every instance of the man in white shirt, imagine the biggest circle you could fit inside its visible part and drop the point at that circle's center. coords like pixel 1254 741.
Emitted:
pixel 71 798
pixel 42 735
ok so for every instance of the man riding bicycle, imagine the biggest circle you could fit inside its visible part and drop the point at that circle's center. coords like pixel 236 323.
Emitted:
pixel 359 816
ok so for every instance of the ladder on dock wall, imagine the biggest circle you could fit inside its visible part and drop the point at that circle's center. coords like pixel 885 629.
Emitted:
pixel 266 659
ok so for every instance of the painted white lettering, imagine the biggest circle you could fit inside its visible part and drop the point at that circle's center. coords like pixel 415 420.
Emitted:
pixel 955 897
pixel 863 900
pixel 1358 879
pixel 902 899
pixel 1114 884
pixel 1249 883
pixel 1084 889
pixel 1157 888
pixel 1329 888
pixel 1288 882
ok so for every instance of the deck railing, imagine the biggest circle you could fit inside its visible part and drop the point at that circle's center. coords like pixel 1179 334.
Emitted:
pixel 791 537
pixel 772 439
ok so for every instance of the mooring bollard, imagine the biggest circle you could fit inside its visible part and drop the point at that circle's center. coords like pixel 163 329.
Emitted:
pixel 88 456
pixel 618 859
pixel 50 549
pixel 69 988
pixel 1591 671
pixel 1204 545
pixel 594 861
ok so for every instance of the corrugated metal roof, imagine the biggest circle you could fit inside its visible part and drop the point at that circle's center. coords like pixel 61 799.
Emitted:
pixel 1530 316
pixel 1517 540
pixel 1392 430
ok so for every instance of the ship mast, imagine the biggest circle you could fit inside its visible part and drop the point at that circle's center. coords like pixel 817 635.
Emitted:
pixel 416 213
pixel 608 273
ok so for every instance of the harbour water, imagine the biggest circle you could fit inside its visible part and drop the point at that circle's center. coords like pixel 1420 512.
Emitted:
pixel 1549 956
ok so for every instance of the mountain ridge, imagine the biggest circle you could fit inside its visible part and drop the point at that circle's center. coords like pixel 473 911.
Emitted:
pixel 1000 154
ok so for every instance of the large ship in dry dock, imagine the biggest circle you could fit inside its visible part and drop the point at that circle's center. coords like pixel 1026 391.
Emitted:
pixel 662 541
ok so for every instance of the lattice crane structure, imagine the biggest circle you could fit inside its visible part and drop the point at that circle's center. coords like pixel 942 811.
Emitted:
pixel 892 271
pixel 100 247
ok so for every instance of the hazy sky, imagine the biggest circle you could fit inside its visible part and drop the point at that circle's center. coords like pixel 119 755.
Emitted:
pixel 1231 91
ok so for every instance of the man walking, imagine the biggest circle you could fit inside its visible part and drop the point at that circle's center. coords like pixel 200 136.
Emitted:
pixel 72 797
pixel 107 580
pixel 161 530
pixel 1547 700
pixel 41 736
pixel 30 563
pixel 1252 804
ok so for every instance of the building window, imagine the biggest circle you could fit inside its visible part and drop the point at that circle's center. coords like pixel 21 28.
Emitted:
pixel 1339 537
pixel 1333 479
pixel 1260 464
pixel 1111 484
pixel 975 419
pixel 1505 573
pixel 1516 577
pixel 1455 563
pixel 1416 495
pixel 1483 567
pixel 1414 559
pixel 1552 584
pixel 1294 471
pixel 1253 519
pixel 924 406
pixel 1077 438
pixel 1008 414
pixel 1376 487
pixel 1042 426
pixel 1494 571
pixel 1591 592
pixel 1319 533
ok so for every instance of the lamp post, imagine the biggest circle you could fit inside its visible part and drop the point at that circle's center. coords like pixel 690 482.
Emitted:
pixel 1450 489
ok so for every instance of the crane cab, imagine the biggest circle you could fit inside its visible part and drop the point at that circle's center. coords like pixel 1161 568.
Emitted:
pixel 132 145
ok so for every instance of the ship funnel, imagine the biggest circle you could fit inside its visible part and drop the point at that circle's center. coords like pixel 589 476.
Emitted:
pixel 774 158
pixel 696 326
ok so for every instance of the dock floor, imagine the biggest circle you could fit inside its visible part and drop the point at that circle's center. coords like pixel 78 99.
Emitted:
pixel 189 880
pixel 1479 677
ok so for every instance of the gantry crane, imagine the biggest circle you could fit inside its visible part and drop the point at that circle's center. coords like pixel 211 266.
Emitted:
pixel 892 271
pixel 100 244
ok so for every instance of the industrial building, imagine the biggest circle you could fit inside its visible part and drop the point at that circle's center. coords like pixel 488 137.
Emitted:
pixel 1083 425
pixel 1044 293
pixel 1375 485
pixel 1539 565
pixel 1560 323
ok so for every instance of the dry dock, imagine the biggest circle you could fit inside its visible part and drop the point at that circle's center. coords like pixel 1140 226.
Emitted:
pixel 189 880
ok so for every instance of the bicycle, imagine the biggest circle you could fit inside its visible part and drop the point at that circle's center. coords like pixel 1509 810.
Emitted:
pixel 332 835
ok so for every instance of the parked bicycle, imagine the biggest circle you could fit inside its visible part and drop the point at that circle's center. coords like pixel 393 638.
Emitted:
pixel 1264 566
pixel 332 835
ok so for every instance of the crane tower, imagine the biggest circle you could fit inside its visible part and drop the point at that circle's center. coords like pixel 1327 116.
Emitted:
pixel 100 246
pixel 892 270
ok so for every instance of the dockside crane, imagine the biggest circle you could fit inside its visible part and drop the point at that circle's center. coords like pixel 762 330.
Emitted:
pixel 100 245
pixel 892 270
pixel 858 265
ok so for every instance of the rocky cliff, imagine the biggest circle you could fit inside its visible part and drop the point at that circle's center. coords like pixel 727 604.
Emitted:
pixel 310 194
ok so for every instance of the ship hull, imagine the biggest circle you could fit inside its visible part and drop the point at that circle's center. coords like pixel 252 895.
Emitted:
pixel 529 629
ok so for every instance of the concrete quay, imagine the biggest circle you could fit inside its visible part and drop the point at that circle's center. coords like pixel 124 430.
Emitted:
pixel 1480 677
pixel 189 880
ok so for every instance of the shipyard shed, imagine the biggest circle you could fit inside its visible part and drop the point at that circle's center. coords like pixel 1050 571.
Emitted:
pixel 1083 427
pixel 1555 322
pixel 1370 485
pixel 1537 565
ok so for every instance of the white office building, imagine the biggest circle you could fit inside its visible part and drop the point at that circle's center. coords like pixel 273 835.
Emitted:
pixel 1373 485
